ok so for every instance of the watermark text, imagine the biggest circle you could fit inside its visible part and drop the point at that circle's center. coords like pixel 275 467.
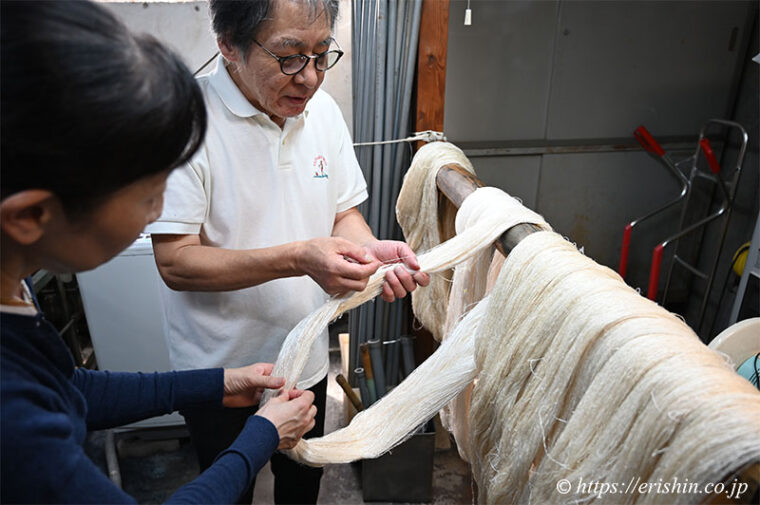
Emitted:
pixel 732 490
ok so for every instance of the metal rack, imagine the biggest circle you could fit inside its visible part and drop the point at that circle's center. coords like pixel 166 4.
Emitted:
pixel 58 296
pixel 725 179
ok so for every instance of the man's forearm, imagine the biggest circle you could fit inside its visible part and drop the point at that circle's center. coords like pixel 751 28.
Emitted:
pixel 351 225
pixel 207 268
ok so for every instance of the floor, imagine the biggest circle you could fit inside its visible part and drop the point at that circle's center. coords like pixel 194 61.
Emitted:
pixel 151 470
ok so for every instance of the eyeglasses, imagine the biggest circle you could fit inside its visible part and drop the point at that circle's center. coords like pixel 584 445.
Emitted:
pixel 291 65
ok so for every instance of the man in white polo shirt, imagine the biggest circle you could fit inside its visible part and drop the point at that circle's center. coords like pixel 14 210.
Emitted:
pixel 262 225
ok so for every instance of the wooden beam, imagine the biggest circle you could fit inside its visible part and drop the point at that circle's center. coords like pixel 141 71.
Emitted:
pixel 430 91
pixel 431 65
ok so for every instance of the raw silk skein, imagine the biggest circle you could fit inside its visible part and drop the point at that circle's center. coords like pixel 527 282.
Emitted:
pixel 426 221
pixel 581 378
pixel 468 287
pixel 417 214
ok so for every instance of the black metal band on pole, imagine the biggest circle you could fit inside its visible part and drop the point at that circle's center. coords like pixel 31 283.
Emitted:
pixel 456 184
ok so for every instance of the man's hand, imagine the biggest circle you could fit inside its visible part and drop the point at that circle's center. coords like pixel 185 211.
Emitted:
pixel 336 264
pixel 292 413
pixel 243 386
pixel 398 282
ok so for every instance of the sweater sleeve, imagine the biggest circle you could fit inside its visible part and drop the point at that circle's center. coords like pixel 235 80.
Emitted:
pixel 43 463
pixel 234 469
pixel 117 398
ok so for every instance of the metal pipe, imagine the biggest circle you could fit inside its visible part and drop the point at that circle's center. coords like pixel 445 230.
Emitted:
pixel 369 373
pixel 354 330
pixel 343 383
pixel 363 389
pixel 394 326
pixel 374 216
pixel 410 57
pixel 368 324
pixel 376 353
pixel 407 352
pixel 730 199
pixel 112 460
pixel 387 363
pixel 386 207
pixel 391 361
pixel 379 102
pixel 357 51
pixel 380 309
pixel 486 149
pixel 365 125
pixel 396 358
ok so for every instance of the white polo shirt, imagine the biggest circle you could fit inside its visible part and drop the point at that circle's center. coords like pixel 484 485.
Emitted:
pixel 254 185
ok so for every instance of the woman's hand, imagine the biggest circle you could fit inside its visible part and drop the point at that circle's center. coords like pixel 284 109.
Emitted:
pixel 243 386
pixel 292 413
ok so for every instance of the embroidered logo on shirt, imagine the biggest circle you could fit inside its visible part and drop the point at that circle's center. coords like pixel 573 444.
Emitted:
pixel 320 165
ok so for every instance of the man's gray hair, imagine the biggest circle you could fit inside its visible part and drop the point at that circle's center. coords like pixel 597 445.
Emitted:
pixel 236 22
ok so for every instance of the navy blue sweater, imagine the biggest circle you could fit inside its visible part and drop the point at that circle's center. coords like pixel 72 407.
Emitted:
pixel 47 406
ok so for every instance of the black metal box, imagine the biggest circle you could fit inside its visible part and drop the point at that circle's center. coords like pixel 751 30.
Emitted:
pixel 405 474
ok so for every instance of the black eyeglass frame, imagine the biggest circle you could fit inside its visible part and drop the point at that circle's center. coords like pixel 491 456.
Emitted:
pixel 283 59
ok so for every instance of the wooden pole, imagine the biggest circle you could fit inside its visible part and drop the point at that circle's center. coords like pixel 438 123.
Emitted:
pixel 457 184
pixel 431 65
pixel 430 92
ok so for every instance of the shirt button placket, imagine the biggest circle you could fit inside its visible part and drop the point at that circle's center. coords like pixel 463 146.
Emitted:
pixel 284 158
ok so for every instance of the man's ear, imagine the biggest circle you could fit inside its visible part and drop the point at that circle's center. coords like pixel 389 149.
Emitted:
pixel 23 215
pixel 230 53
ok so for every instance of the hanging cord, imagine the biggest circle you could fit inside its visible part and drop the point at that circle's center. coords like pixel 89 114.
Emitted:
pixel 425 136
pixel 205 64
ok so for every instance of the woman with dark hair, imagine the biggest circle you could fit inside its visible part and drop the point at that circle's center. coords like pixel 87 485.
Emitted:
pixel 93 121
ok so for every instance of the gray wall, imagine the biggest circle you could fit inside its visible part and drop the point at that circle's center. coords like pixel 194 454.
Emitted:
pixel 544 95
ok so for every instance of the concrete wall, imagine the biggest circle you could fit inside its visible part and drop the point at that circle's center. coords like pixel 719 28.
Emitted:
pixel 542 96
pixel 185 26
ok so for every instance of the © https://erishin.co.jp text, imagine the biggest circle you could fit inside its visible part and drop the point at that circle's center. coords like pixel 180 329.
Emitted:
pixel 732 490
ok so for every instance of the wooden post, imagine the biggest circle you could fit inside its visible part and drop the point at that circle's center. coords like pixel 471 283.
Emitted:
pixel 430 92
pixel 431 65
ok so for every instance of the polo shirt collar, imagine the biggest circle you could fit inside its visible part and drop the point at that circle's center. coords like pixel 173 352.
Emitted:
pixel 233 98
pixel 228 91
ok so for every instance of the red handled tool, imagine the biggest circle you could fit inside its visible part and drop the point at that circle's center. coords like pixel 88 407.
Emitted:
pixel 709 155
pixel 651 145
pixel 726 180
